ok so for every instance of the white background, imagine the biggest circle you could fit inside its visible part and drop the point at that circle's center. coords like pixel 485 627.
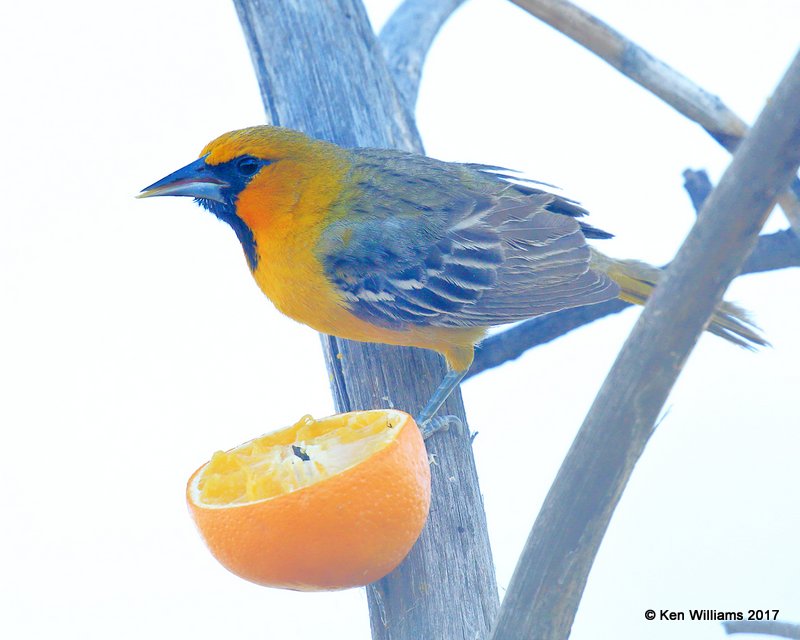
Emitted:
pixel 133 342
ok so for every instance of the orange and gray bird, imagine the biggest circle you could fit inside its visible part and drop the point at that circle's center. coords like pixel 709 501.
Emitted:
pixel 385 246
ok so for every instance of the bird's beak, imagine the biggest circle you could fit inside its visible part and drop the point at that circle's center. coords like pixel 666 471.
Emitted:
pixel 195 180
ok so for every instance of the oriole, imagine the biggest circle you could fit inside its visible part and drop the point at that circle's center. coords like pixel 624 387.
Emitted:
pixel 385 246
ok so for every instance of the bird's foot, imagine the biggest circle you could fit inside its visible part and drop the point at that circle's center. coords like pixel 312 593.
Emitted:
pixel 440 423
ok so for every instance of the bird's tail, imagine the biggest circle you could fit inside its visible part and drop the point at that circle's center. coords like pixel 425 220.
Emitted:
pixel 636 281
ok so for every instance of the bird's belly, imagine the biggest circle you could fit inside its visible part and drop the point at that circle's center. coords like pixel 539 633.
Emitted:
pixel 307 296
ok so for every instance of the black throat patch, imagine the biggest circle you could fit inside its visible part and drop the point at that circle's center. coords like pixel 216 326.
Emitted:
pixel 231 173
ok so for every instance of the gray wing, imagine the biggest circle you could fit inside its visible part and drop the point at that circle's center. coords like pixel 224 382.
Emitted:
pixel 459 249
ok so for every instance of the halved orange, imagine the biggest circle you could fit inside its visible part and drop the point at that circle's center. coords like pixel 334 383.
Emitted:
pixel 324 504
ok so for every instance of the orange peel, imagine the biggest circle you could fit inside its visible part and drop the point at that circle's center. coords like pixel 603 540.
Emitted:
pixel 324 504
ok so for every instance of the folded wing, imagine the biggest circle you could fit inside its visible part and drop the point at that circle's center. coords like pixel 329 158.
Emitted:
pixel 450 245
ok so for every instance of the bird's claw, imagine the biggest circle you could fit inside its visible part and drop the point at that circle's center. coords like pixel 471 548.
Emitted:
pixel 440 423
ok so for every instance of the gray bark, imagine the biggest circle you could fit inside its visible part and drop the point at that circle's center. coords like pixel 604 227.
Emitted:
pixel 320 70
pixel 549 580
pixel 407 37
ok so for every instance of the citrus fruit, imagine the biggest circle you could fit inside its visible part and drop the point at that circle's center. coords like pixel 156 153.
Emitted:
pixel 324 504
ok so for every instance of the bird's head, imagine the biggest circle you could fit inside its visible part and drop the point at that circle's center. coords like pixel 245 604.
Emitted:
pixel 252 179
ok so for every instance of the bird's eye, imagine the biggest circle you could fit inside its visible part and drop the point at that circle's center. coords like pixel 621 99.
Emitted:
pixel 247 166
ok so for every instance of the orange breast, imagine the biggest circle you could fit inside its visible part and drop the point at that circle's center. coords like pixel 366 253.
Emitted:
pixel 287 207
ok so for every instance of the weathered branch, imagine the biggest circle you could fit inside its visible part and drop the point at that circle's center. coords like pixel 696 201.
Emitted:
pixel 406 38
pixel 698 186
pixel 775 251
pixel 646 70
pixel 766 627
pixel 640 66
pixel 511 343
pixel 320 70
pixel 550 577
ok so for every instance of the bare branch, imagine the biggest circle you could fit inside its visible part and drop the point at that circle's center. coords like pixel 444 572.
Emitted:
pixel 791 206
pixel 512 343
pixel 320 70
pixel 766 627
pixel 550 577
pixel 641 67
pixel 646 70
pixel 774 251
pixel 698 186
pixel 406 38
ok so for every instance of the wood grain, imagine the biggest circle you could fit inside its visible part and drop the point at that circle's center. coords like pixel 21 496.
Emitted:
pixel 321 70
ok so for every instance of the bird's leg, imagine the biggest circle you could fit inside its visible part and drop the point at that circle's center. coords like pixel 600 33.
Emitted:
pixel 427 423
pixel 443 391
pixel 440 423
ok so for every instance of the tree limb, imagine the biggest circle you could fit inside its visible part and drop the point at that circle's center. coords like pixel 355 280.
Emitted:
pixel 547 584
pixel 698 186
pixel 646 70
pixel 766 627
pixel 511 343
pixel 320 70
pixel 406 38
pixel 775 251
